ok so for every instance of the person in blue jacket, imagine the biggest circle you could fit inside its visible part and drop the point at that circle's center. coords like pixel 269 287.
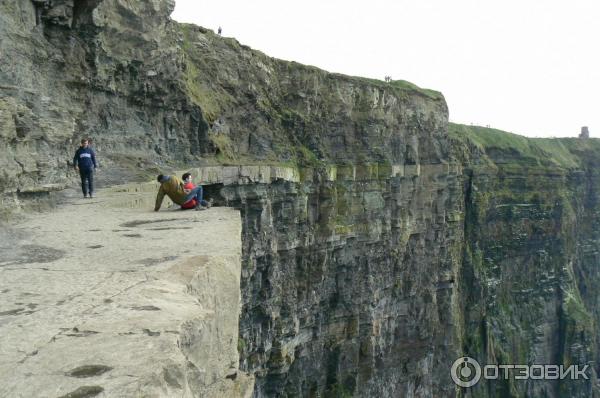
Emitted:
pixel 85 161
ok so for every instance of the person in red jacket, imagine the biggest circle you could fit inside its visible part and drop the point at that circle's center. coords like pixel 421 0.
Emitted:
pixel 188 184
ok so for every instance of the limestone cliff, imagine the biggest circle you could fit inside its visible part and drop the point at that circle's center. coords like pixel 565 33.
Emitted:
pixel 530 266
pixel 148 89
pixel 399 244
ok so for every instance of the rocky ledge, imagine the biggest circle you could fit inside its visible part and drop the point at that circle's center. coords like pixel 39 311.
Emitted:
pixel 104 296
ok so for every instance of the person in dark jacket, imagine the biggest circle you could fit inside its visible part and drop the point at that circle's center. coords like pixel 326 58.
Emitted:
pixel 85 161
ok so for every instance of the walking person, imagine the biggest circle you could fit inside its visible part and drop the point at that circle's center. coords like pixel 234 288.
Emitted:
pixel 85 162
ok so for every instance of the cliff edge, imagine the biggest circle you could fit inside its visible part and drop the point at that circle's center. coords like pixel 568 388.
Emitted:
pixel 103 297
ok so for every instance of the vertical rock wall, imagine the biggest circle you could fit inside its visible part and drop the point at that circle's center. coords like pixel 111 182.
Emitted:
pixel 348 282
pixel 371 272
pixel 101 69
pixel 531 261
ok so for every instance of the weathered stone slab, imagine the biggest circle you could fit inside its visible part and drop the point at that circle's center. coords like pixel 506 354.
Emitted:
pixel 106 296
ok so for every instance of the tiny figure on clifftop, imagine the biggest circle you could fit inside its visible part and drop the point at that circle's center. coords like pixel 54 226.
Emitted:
pixel 219 30
pixel 85 162
pixel 175 189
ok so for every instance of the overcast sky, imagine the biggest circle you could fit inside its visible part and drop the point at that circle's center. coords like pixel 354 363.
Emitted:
pixel 527 66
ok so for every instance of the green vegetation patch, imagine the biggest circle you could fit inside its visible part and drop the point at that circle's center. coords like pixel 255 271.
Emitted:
pixel 505 147
pixel 196 83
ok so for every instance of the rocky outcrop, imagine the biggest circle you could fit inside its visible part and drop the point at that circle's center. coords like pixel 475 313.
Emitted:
pixel 379 243
pixel 115 300
pixel 90 68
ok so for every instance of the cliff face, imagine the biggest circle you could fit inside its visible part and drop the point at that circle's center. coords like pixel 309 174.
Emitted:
pixel 348 282
pixel 147 89
pixel 90 68
pixel 530 264
pixel 399 244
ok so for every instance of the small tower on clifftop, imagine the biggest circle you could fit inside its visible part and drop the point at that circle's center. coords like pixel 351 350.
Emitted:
pixel 585 133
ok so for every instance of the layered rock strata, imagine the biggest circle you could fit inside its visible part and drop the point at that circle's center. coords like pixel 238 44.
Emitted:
pixel 379 244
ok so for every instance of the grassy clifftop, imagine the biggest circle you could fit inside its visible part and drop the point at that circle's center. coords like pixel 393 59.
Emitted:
pixel 500 147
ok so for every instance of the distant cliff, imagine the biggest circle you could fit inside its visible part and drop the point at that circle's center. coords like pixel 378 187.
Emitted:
pixel 402 243
pixel 529 274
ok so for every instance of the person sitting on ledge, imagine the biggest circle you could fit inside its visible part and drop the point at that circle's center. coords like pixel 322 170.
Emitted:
pixel 188 184
pixel 173 187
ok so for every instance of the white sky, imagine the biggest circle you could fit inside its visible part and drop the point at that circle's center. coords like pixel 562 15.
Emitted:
pixel 527 66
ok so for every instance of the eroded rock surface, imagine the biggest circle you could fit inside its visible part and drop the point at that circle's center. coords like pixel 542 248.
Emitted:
pixel 99 297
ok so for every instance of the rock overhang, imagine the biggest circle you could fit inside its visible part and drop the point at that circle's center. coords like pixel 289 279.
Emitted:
pixel 106 295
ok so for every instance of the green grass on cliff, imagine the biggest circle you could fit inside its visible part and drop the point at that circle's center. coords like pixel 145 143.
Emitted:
pixel 196 82
pixel 399 85
pixel 505 147
pixel 404 85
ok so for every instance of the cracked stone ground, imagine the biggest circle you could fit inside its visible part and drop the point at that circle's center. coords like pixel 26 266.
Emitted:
pixel 94 295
